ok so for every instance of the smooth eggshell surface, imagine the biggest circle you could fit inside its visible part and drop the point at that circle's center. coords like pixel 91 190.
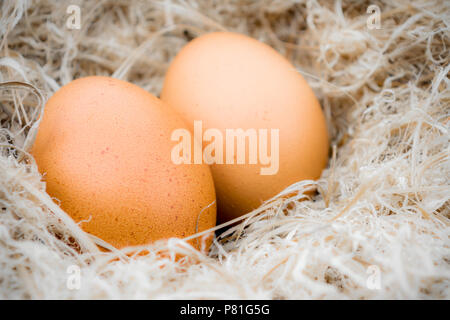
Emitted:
pixel 231 81
pixel 104 149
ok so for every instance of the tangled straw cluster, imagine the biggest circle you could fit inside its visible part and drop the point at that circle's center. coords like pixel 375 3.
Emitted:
pixel 379 224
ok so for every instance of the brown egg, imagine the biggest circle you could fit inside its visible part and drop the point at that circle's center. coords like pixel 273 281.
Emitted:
pixel 226 81
pixel 104 148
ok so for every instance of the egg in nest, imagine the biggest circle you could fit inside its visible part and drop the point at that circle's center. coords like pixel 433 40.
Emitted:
pixel 242 94
pixel 104 149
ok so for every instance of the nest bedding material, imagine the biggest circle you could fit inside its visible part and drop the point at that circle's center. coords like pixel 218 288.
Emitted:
pixel 379 224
